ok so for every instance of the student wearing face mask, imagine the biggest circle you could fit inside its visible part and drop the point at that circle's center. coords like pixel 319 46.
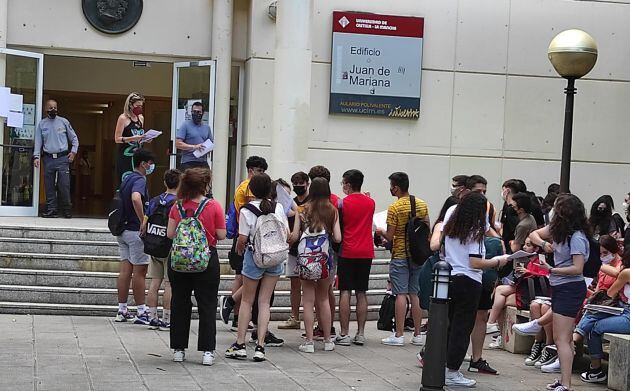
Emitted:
pixel 191 136
pixel 129 133
pixel 57 143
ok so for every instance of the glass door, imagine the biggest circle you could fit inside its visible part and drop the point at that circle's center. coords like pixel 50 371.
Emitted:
pixel 23 73
pixel 192 82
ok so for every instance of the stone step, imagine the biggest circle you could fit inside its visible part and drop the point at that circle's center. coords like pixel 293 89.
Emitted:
pixel 83 234
pixel 81 279
pixel 105 296
pixel 102 263
pixel 7 307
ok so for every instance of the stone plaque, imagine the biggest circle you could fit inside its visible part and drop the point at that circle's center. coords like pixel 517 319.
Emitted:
pixel 112 16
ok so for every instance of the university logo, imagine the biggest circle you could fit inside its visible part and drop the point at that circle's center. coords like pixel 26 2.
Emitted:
pixel 344 22
pixel 112 16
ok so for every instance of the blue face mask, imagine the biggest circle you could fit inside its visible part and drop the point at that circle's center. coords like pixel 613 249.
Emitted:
pixel 151 168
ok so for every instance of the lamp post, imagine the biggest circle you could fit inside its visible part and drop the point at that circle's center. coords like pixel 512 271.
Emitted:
pixel 435 350
pixel 573 54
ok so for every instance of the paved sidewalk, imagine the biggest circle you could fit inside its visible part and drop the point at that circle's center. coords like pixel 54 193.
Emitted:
pixel 90 353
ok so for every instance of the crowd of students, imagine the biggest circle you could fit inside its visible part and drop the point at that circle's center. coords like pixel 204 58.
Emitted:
pixel 318 240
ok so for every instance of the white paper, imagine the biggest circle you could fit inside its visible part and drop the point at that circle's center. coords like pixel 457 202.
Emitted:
pixel 15 120
pixel 284 198
pixel 521 254
pixel 181 118
pixel 380 220
pixel 588 281
pixel 15 102
pixel 207 146
pixel 29 114
pixel 151 134
pixel 5 92
pixel 27 132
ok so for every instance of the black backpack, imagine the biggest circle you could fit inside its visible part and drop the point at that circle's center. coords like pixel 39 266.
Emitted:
pixel 155 241
pixel 115 221
pixel 386 313
pixel 417 234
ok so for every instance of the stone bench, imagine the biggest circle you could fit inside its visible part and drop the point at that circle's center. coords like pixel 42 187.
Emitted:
pixel 512 342
pixel 619 361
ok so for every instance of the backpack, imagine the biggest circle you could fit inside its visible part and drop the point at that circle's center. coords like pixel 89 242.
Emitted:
pixel 337 246
pixel 313 254
pixel 529 286
pixel 417 234
pixel 190 252
pixel 155 241
pixel 116 216
pixel 386 313
pixel 231 222
pixel 269 245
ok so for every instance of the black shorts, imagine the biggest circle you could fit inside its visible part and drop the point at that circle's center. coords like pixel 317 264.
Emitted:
pixel 485 300
pixel 567 298
pixel 353 274
pixel 236 261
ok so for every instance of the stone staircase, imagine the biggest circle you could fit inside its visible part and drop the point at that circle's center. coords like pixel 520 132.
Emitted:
pixel 72 271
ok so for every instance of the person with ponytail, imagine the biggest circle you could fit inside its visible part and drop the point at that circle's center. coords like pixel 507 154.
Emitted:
pixel 129 133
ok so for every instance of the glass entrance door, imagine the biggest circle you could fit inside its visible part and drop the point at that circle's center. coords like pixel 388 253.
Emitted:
pixel 21 72
pixel 193 81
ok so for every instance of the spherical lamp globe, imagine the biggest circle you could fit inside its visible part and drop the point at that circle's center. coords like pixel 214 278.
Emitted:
pixel 572 53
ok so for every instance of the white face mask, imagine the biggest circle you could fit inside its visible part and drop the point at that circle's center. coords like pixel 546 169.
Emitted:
pixel 625 206
pixel 453 189
pixel 607 259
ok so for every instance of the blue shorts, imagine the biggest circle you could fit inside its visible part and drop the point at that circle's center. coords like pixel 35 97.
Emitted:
pixel 567 298
pixel 253 272
pixel 404 280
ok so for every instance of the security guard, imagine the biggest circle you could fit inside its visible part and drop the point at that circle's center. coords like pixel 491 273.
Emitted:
pixel 55 134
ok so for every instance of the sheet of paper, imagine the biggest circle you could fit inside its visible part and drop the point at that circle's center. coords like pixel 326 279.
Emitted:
pixel 29 114
pixel 181 117
pixel 27 132
pixel 588 281
pixel 15 120
pixel 207 147
pixel 380 220
pixel 151 134
pixel 520 254
pixel 15 102
pixel 284 198
pixel 5 92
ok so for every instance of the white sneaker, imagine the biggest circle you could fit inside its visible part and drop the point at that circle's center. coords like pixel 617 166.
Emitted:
pixel 496 344
pixel 554 367
pixel 492 328
pixel 307 347
pixel 417 340
pixel 527 328
pixel 343 340
pixel 393 340
pixel 208 358
pixel 329 346
pixel 458 380
pixel 359 340
pixel 179 356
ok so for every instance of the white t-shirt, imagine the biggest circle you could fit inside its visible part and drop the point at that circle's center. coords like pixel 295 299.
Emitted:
pixel 247 220
pixel 458 255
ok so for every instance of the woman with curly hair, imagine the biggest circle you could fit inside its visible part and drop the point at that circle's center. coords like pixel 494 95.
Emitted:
pixel 465 226
pixel 567 232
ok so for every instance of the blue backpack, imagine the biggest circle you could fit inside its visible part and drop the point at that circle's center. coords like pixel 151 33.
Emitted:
pixel 231 223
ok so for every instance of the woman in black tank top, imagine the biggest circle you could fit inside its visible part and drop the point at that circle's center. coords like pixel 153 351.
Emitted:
pixel 129 131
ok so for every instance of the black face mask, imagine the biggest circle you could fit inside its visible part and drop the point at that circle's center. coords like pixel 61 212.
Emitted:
pixel 299 190
pixel 196 117
pixel 52 114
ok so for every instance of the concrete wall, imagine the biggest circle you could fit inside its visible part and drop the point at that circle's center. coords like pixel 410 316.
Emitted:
pixel 491 101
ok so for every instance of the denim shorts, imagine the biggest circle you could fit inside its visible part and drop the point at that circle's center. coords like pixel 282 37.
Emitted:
pixel 253 272
pixel 404 276
pixel 567 298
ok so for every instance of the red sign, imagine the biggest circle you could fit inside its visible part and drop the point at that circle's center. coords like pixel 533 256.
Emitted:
pixel 376 24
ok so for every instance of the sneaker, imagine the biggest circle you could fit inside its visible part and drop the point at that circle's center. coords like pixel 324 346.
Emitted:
pixel 123 316
pixel 554 367
pixel 548 356
pixel 226 309
pixel 409 325
pixel 552 386
pixel 290 324
pixel 527 328
pixel 359 340
pixel 333 333
pixel 420 358
pixel 318 334
pixel 424 328
pixel 535 353
pixel 142 319
pixel 417 340
pixel 496 344
pixel 594 375
pixel 561 388
pixel 481 366
pixel 393 340
pixel 307 347
pixel 236 351
pixel 492 328
pixel 259 353
pixel 165 326
pixel 155 324
pixel 329 346
pixel 272 341
pixel 208 358
pixel 343 340
pixel 234 324
pixel 457 379
pixel 179 355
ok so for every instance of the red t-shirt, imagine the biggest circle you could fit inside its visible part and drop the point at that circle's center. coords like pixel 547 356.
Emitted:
pixel 334 199
pixel 604 281
pixel 212 217
pixel 357 213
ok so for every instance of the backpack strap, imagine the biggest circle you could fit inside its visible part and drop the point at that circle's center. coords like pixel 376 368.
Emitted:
pixel 202 205
pixel 412 202
pixel 257 212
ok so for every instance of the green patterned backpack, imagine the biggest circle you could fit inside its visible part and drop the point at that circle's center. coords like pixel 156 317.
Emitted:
pixel 190 252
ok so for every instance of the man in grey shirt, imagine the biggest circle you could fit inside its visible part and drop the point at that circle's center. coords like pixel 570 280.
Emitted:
pixel 57 144
pixel 190 137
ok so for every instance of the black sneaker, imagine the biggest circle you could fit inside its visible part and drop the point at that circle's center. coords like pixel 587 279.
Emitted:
pixel 548 356
pixel 259 353
pixel 226 308
pixel 535 353
pixel 236 351
pixel 594 375
pixel 273 341
pixel 481 366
